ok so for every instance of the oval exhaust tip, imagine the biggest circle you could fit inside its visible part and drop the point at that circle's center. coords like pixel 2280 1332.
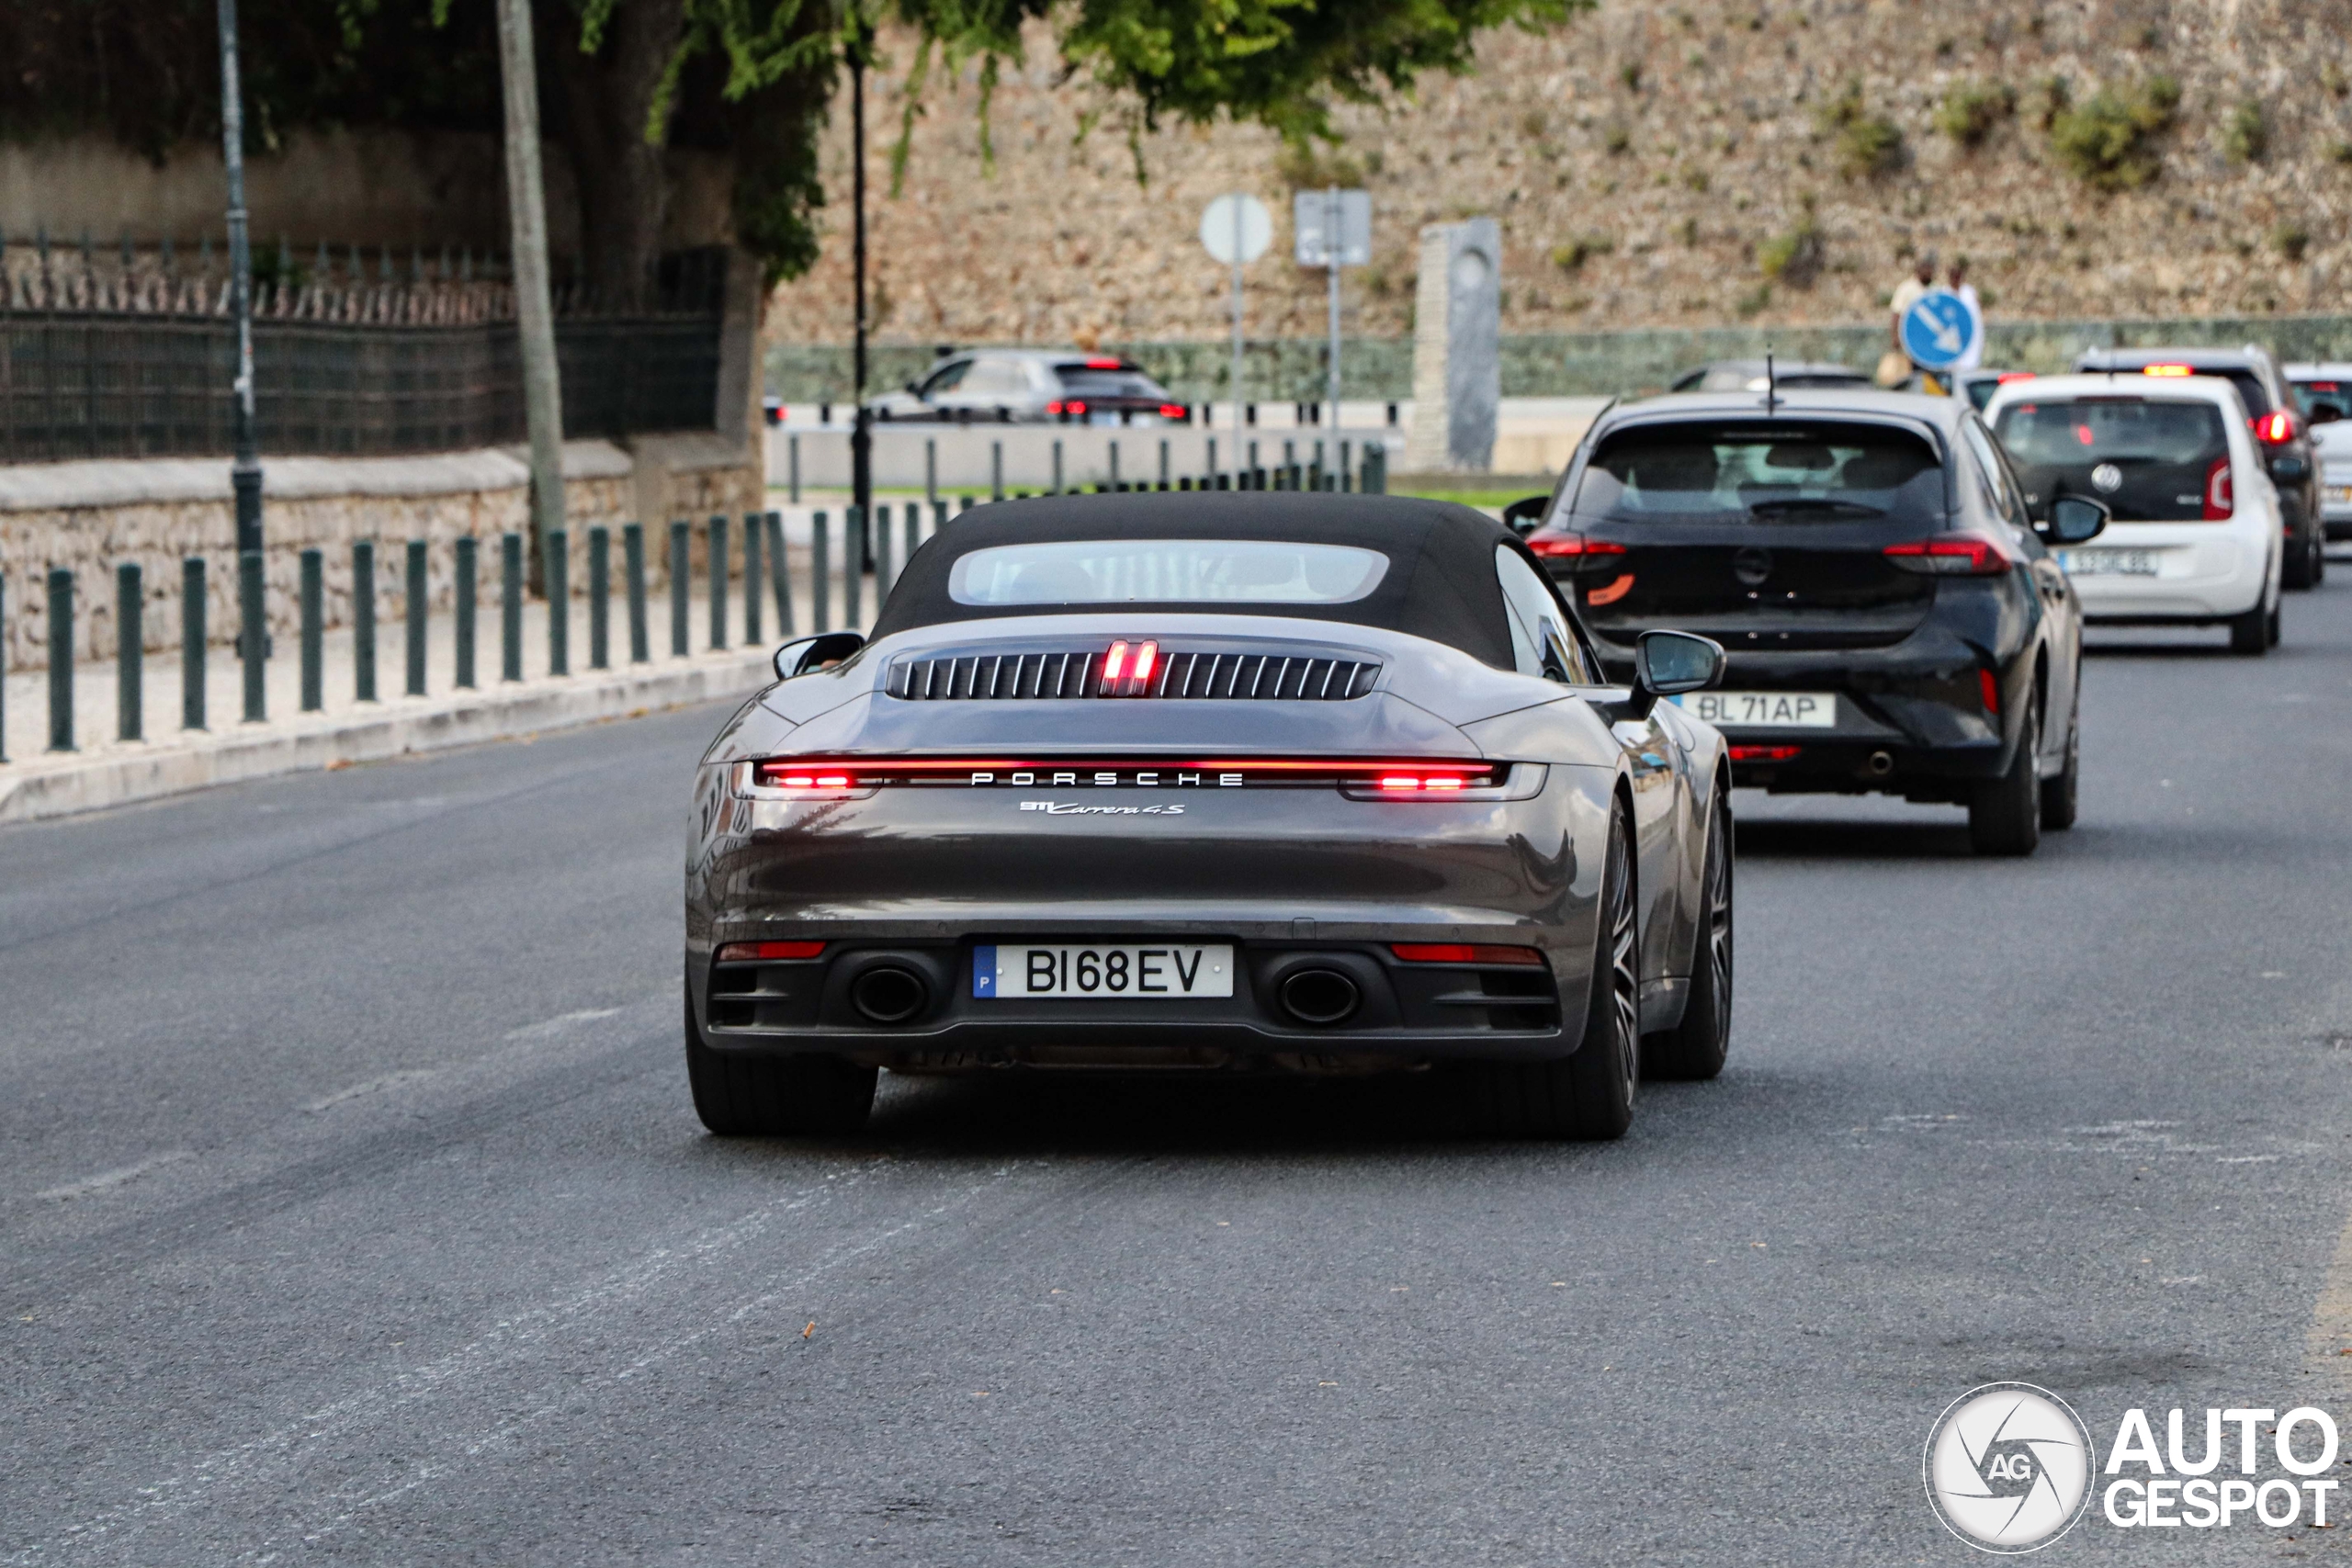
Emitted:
pixel 888 994
pixel 1318 995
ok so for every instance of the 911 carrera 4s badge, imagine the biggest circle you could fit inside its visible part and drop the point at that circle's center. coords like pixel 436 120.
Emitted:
pixel 1073 808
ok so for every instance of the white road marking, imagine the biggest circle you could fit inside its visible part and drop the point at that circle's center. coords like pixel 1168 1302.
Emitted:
pixel 470 1368
pixel 559 1023
pixel 389 1080
pixel 106 1180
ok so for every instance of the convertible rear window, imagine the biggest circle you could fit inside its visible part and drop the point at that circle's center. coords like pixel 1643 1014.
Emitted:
pixel 1166 572
pixel 2066 433
pixel 1767 474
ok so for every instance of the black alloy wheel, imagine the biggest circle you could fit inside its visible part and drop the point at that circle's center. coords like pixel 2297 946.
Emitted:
pixel 1695 1048
pixel 2061 794
pixel 2005 813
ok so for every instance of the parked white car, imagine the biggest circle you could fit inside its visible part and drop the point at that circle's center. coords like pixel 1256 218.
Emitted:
pixel 2323 392
pixel 2197 529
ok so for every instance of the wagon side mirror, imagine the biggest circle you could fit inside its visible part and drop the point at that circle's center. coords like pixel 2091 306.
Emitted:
pixel 1526 514
pixel 2075 520
pixel 803 655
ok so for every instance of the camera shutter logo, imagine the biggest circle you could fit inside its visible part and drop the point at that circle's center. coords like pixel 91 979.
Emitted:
pixel 2009 1467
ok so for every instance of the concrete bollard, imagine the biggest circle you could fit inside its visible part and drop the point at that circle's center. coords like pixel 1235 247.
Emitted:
pixel 852 566
pixel 510 607
pixel 753 631
pixel 558 567
pixel 600 598
pixel 416 600
pixel 60 659
pixel 821 582
pixel 780 574
pixel 719 576
pixel 681 616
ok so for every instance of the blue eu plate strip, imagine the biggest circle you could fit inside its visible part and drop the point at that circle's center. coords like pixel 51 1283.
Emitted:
pixel 984 971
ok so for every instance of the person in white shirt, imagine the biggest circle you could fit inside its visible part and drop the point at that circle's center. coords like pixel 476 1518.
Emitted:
pixel 1957 281
pixel 1896 365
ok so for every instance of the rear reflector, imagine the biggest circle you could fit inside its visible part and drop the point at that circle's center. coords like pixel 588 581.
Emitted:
pixel 2221 491
pixel 1990 690
pixel 754 951
pixel 1765 753
pixel 1950 554
pixel 1463 953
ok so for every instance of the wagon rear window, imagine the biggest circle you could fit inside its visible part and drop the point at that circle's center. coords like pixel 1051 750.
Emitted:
pixel 1166 572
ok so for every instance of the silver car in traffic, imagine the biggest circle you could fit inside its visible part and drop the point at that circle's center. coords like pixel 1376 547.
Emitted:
pixel 1029 386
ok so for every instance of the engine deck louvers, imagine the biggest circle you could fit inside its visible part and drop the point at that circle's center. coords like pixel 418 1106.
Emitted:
pixel 1263 677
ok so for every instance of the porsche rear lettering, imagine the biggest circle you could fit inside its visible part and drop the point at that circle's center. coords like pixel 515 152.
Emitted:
pixel 1071 808
pixel 1150 779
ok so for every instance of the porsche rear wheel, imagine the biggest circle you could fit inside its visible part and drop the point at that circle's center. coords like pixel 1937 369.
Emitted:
pixel 768 1097
pixel 1590 1094
pixel 1696 1047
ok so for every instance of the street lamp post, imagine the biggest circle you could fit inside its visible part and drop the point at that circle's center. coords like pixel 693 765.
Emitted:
pixel 861 439
pixel 245 472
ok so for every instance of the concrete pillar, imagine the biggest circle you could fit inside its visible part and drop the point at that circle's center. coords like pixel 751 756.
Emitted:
pixel 1457 361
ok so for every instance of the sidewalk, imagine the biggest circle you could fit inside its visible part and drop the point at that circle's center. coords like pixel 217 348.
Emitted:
pixel 103 771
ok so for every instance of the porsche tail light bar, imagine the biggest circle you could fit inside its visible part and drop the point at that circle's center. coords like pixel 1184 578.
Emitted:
pixel 1464 953
pixel 2221 491
pixel 757 952
pixel 1765 753
pixel 2275 427
pixel 1950 554
pixel 802 778
pixel 1577 553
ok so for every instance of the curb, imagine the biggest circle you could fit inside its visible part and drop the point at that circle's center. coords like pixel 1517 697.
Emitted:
pixel 122 774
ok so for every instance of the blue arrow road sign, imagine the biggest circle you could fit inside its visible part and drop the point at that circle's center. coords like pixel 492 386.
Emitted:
pixel 1937 329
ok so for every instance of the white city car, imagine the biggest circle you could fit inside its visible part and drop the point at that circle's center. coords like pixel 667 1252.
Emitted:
pixel 2197 529
pixel 2324 394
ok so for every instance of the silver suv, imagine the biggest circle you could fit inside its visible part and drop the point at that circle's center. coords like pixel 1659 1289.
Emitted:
pixel 1029 386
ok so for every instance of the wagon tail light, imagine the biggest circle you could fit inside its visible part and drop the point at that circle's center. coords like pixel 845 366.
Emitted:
pixel 1577 554
pixel 2221 491
pixel 1950 554
pixel 2275 428
pixel 1174 411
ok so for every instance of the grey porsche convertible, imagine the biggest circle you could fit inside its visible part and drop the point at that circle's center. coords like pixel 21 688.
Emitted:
pixel 1225 781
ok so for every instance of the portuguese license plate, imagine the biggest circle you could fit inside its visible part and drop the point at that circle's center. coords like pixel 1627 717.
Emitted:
pixel 2109 563
pixel 1171 970
pixel 1768 710
pixel 2340 495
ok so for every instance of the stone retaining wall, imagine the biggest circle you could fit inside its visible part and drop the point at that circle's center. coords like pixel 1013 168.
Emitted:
pixel 92 517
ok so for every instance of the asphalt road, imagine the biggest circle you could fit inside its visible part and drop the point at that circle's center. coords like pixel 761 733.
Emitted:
pixel 352 1207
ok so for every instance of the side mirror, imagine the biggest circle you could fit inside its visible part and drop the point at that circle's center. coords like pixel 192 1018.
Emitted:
pixel 803 655
pixel 914 389
pixel 1526 514
pixel 1666 664
pixel 2075 520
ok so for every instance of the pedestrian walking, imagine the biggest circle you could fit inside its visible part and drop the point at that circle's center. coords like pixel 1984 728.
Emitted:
pixel 1895 366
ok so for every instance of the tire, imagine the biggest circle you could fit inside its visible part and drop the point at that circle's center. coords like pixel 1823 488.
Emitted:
pixel 2270 626
pixel 2251 634
pixel 770 1097
pixel 1695 1048
pixel 2060 795
pixel 2005 813
pixel 2303 567
pixel 1591 1094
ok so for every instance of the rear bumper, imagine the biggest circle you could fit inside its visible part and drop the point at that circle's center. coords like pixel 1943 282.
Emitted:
pixel 1405 1014
pixel 2202 574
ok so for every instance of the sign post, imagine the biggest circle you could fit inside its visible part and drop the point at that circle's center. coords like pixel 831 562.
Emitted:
pixel 1236 229
pixel 1939 330
pixel 1332 229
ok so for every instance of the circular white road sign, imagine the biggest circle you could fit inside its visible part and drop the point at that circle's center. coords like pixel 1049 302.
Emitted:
pixel 1237 228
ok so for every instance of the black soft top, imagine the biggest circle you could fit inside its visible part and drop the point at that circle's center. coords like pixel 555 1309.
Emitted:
pixel 1441 582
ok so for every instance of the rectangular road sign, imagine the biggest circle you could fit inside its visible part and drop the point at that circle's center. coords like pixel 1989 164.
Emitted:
pixel 1322 219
